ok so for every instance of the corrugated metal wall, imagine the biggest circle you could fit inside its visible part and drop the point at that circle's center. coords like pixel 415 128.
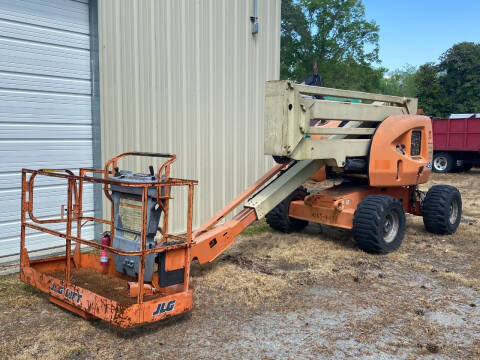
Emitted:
pixel 188 77
pixel 45 110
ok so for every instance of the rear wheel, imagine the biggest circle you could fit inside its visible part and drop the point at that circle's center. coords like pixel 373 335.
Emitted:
pixel 379 224
pixel 443 162
pixel 281 159
pixel 278 218
pixel 442 209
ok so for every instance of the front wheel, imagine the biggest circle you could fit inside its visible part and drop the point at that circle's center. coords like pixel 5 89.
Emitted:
pixel 442 209
pixel 379 224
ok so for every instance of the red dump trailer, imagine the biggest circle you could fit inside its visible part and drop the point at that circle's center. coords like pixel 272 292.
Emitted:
pixel 456 143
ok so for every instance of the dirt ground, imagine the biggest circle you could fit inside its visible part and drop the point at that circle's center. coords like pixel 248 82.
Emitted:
pixel 304 296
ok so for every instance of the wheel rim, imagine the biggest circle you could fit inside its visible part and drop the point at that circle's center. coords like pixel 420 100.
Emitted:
pixel 440 163
pixel 390 227
pixel 453 213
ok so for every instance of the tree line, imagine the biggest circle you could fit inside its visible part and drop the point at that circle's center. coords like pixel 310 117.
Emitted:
pixel 335 35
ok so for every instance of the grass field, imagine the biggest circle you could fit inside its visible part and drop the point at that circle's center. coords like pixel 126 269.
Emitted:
pixel 306 295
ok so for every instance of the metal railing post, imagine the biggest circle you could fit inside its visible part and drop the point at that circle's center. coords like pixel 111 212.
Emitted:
pixel 23 210
pixel 143 245
pixel 186 278
pixel 68 246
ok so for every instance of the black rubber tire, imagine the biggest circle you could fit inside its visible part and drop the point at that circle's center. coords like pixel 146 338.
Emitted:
pixel 281 159
pixel 437 209
pixel 450 166
pixel 278 218
pixel 369 224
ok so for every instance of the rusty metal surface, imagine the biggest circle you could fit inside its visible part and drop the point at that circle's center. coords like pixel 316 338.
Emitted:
pixel 173 299
pixel 75 191
pixel 93 304
pixel 88 303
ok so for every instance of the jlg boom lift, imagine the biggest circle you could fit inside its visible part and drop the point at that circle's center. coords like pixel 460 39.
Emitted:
pixel 380 148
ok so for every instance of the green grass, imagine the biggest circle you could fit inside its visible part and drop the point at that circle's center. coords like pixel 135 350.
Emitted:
pixel 256 228
pixel 10 285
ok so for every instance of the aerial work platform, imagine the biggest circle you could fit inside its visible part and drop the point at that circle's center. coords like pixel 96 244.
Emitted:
pixel 380 149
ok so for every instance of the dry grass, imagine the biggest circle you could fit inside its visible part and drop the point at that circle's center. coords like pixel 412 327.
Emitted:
pixel 307 295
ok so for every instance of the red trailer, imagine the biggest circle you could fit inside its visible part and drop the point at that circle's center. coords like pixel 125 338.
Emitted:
pixel 456 143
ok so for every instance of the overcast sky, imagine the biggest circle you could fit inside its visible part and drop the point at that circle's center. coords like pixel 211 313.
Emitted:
pixel 416 32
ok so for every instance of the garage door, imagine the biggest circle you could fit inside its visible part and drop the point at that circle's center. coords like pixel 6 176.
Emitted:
pixel 45 108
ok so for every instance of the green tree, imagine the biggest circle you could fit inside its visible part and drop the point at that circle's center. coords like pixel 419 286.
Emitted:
pixel 452 86
pixel 352 75
pixel 460 67
pixel 336 35
pixel 429 90
pixel 294 31
pixel 400 82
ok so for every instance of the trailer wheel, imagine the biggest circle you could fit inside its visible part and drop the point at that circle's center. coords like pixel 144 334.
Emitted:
pixel 442 209
pixel 278 218
pixel 443 162
pixel 379 224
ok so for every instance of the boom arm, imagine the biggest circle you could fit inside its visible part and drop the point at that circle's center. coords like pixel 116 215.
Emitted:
pixel 210 242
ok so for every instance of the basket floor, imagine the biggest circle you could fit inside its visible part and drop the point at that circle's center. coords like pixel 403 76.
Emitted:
pixel 108 286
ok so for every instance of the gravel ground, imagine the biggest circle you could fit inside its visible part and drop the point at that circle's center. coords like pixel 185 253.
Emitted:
pixel 304 296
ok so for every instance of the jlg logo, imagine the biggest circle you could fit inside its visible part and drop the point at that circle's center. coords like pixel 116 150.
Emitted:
pixel 164 307
pixel 66 292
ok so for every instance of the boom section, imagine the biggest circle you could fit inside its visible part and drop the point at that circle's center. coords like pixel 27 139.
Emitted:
pixel 295 113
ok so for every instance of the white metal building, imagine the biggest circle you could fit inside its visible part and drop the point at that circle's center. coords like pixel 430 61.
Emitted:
pixel 45 106
pixel 81 81
pixel 188 77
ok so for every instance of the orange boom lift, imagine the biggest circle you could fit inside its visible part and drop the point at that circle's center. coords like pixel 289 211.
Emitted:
pixel 379 148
